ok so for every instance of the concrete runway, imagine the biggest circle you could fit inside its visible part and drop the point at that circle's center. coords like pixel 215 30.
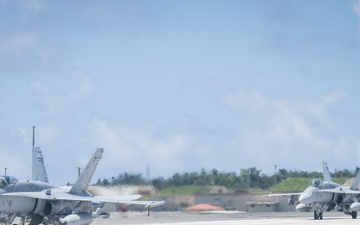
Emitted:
pixel 227 218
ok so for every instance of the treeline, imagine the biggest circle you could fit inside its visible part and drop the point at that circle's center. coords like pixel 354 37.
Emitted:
pixel 246 179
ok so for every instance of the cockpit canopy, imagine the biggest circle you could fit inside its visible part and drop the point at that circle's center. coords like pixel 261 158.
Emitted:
pixel 323 185
pixel 315 183
pixel 6 181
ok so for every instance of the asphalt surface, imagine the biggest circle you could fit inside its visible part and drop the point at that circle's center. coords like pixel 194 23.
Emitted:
pixel 224 218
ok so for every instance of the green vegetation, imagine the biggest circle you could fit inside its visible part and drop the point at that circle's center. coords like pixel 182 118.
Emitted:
pixel 298 184
pixel 247 180
pixel 185 190
pixel 291 185
pixel 339 180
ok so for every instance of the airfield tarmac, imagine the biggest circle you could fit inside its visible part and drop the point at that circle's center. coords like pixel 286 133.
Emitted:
pixel 224 218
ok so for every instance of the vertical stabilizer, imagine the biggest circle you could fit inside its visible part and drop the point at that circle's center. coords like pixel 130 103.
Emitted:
pixel 326 172
pixel 84 179
pixel 38 166
pixel 355 184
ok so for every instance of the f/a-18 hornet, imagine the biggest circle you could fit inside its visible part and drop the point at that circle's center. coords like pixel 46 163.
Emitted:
pixel 326 195
pixel 49 204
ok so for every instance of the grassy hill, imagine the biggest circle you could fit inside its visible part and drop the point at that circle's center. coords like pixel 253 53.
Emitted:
pixel 288 185
pixel 298 184
pixel 185 190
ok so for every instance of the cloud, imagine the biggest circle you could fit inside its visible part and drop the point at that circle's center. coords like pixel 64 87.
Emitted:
pixel 15 165
pixel 23 133
pixel 334 97
pixel 64 98
pixel 356 7
pixel 131 148
pixel 264 131
pixel 267 131
pixel 33 5
pixel 241 100
pixel 13 151
pixel 23 50
pixel 84 86
pixel 27 6
pixel 288 132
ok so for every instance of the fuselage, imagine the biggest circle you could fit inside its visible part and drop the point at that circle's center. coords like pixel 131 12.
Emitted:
pixel 44 207
pixel 319 192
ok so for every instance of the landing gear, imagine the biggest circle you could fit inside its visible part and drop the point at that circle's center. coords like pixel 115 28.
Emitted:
pixel 354 214
pixel 293 200
pixel 36 219
pixel 348 211
pixel 318 215
pixel 22 220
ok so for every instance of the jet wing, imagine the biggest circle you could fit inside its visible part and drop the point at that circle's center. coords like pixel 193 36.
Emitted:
pixel 121 199
pixel 39 195
pixel 47 195
pixel 147 204
pixel 282 194
pixel 99 199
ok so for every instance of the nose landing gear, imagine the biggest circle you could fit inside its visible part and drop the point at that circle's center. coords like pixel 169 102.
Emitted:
pixel 318 215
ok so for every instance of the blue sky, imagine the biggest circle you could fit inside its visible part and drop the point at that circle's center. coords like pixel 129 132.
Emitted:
pixel 179 85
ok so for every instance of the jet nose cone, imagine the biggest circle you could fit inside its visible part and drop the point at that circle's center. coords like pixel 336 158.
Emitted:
pixel 305 198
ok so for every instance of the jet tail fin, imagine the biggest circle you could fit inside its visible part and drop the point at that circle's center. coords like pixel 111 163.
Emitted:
pixel 326 172
pixel 355 184
pixel 38 166
pixel 84 179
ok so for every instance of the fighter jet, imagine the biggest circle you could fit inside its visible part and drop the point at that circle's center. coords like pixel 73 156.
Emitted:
pixel 49 204
pixel 326 195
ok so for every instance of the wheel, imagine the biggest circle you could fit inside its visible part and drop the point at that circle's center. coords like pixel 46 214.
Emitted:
pixel 354 214
pixel 22 220
pixel 316 216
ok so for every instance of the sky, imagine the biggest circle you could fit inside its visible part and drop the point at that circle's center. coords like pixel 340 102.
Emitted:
pixel 180 85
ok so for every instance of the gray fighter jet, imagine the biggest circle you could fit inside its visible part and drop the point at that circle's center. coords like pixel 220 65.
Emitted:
pixel 49 204
pixel 326 195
